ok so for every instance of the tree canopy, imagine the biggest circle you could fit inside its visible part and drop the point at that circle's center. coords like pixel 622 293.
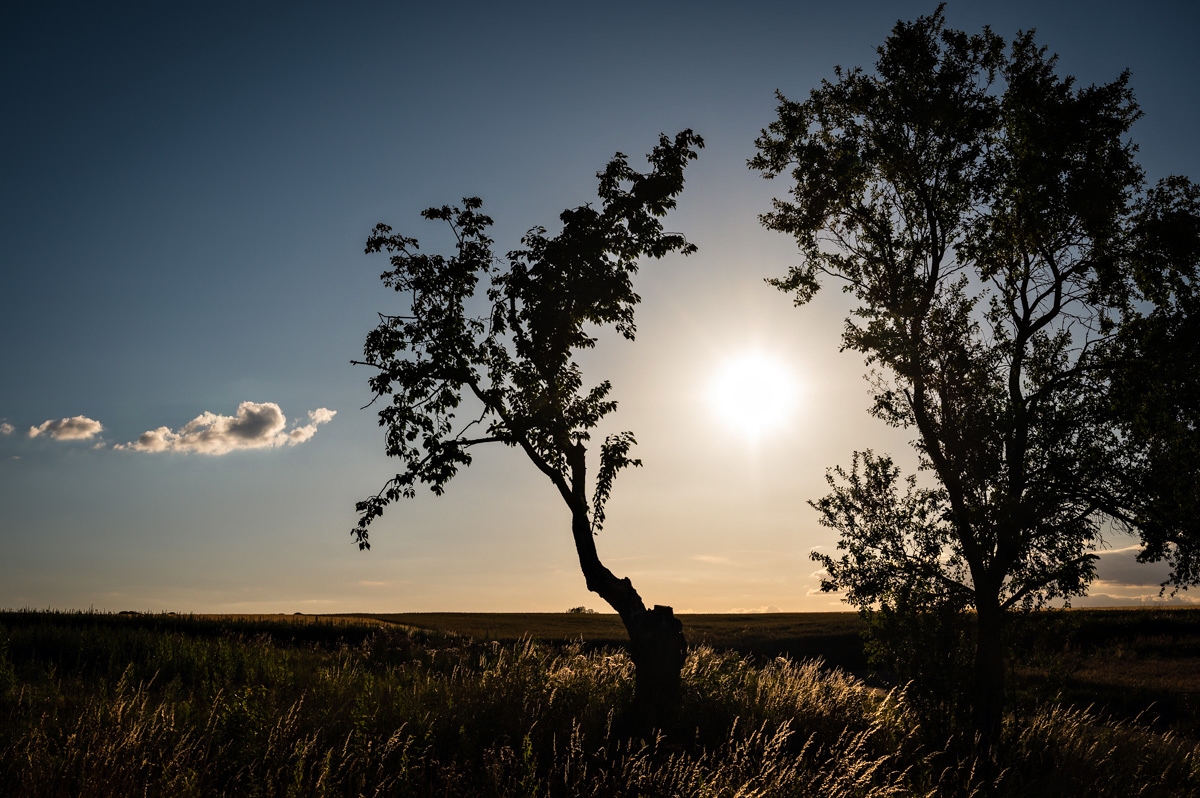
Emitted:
pixel 516 358
pixel 989 219
pixel 496 339
pixel 1153 389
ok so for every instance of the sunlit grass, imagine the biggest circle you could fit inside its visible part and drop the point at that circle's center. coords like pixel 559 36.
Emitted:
pixel 101 705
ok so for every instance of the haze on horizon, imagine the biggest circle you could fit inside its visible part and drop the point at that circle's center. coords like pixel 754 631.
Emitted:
pixel 186 193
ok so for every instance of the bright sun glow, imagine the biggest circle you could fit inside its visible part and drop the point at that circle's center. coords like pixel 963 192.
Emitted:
pixel 753 394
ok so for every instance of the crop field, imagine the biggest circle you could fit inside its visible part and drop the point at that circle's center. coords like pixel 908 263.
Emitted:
pixel 498 704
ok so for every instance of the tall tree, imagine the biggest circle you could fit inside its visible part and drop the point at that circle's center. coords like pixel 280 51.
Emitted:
pixel 513 371
pixel 1153 382
pixel 986 215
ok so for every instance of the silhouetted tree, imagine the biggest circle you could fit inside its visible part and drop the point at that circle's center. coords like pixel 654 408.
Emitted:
pixel 514 366
pixel 989 219
pixel 1153 381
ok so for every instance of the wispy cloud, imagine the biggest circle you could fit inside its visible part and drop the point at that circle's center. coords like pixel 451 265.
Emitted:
pixel 1120 567
pixel 76 428
pixel 317 417
pixel 754 610
pixel 1123 581
pixel 255 426
pixel 712 559
pixel 1106 594
pixel 6 428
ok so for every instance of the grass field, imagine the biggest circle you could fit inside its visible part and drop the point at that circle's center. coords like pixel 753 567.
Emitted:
pixel 1122 661
pixel 832 636
pixel 496 704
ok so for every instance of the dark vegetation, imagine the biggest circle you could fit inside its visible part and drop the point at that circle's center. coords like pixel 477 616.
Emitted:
pixel 834 637
pixel 99 704
pixel 1025 303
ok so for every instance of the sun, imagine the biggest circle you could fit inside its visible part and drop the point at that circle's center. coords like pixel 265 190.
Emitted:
pixel 753 393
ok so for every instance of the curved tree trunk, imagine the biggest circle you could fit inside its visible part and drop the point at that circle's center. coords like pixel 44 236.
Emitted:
pixel 656 642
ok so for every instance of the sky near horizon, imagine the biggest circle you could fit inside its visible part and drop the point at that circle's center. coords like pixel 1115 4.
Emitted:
pixel 185 192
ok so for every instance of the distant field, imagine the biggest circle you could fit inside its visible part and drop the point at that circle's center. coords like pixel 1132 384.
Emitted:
pixel 832 636
pixel 1122 660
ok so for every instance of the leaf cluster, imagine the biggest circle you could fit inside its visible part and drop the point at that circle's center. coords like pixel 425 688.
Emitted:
pixel 1153 381
pixel 989 218
pixel 502 334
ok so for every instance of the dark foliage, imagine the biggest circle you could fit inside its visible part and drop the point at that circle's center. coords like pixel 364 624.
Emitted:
pixel 515 367
pixel 1018 290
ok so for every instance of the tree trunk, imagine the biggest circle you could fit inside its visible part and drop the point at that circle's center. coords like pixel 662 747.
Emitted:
pixel 656 642
pixel 989 671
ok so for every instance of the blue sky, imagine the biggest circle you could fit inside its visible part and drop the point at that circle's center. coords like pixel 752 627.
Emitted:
pixel 185 190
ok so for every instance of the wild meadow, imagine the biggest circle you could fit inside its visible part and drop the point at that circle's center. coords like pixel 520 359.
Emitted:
pixel 94 704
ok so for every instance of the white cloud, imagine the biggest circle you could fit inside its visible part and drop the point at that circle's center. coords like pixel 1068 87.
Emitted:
pixel 321 415
pixel 754 610
pixel 76 428
pixel 6 428
pixel 255 426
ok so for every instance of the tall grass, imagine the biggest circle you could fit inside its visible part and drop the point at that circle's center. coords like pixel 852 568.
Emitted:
pixel 98 706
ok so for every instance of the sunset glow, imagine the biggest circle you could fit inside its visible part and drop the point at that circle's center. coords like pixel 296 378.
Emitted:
pixel 187 196
pixel 753 394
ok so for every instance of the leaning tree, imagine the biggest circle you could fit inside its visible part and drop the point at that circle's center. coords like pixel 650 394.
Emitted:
pixel 511 368
pixel 990 222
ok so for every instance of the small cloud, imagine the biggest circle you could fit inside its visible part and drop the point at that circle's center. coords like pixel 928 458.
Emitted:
pixel 6 428
pixel 76 428
pixel 255 426
pixel 369 583
pixel 712 559
pixel 754 610
pixel 321 415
